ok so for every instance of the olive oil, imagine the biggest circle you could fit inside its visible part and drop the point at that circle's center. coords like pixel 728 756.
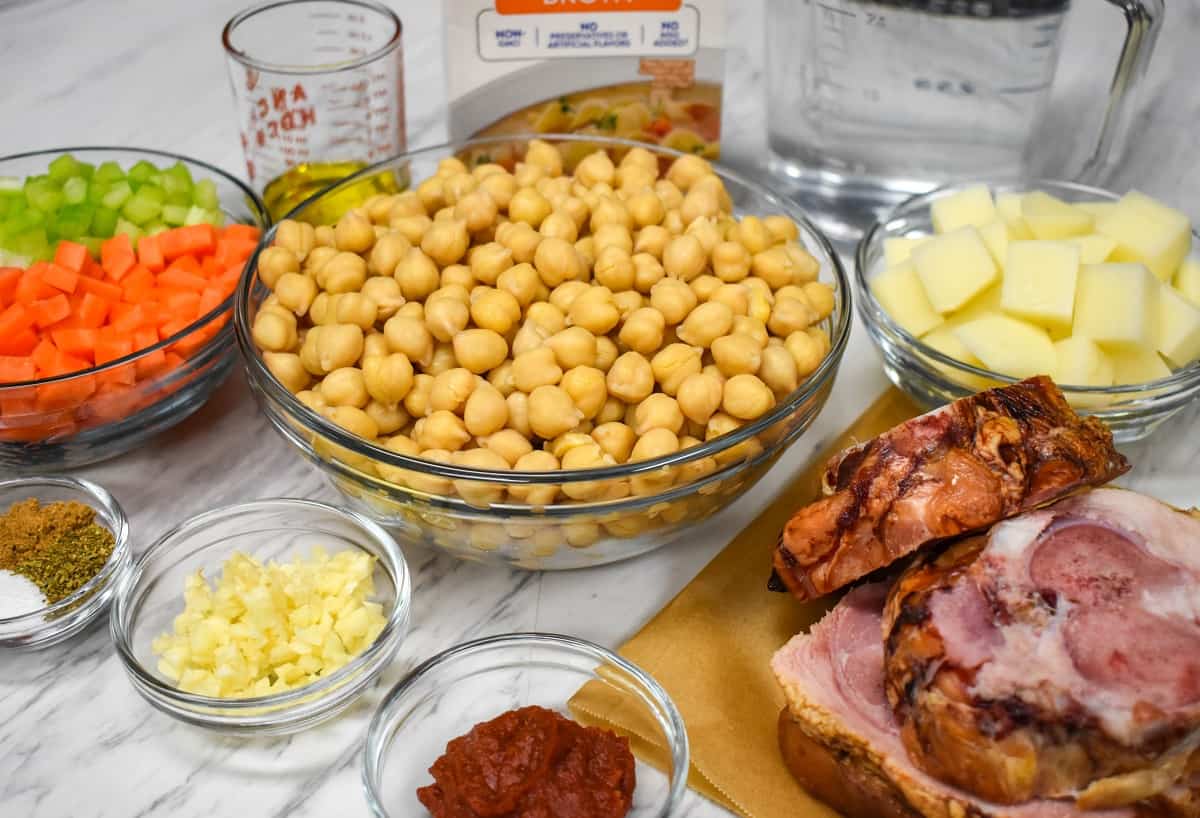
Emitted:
pixel 282 194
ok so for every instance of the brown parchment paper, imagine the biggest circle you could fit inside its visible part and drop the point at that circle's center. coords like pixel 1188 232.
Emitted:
pixel 710 647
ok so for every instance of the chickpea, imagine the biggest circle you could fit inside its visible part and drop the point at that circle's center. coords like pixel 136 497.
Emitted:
pixel 652 240
pixel 442 429
pixel 487 262
pixel 778 370
pixel 388 378
pixel 547 315
pixel 572 347
pixel 731 261
pixel 699 396
pixel 485 412
pixel 686 170
pixel 410 336
pixel 647 271
pixel 658 411
pixel 643 330
pixel 412 228
pixel 501 377
pixel 594 310
pixel 432 194
pixel 752 233
pixel 628 302
pixel 535 494
pixel 354 233
pixel 774 266
pixel 610 210
pixel 612 235
pixel 274 331
pixel 519 237
pixel 412 309
pixel 416 402
pixel 480 350
pixel 537 367
pixel 287 369
pixel 529 206
pixel 451 389
pixel 389 419
pixel 521 281
pixel 781 229
pixel 331 347
pixel 734 296
pixel 697 469
pixel 673 364
pixel 791 314
pixel 639 157
pixel 317 257
pixel 518 413
pixel 559 225
pixel 312 400
pixel 386 294
pixel 552 412
pixel 497 310
pixel 712 183
pixel 482 494
pixel 508 443
pixel 706 232
pixel 737 354
pixel 501 187
pixel 344 387
pixel 273 262
pixel 612 410
pixel 616 439
pixel 530 336
pixel 673 298
pixel 684 258
pixel 297 237
pixel 606 353
pixel 706 323
pixel 353 420
pixel 720 424
pixel 446 241
pixel 528 175
pixel 586 456
pixel 344 273
pixel 407 203
pixel 323 236
pixel 587 388
pixel 747 397
pixel 374 346
pixel 751 328
pixel 355 308
pixel 449 167
pixel 564 295
pixel 544 155
pixel 645 208
pixel 705 286
pixel 595 168
pixel 630 378
pixel 614 268
pixel 417 275
pixel 557 261
pixel 655 443
pixel 760 305
pixel 477 210
pixel 820 297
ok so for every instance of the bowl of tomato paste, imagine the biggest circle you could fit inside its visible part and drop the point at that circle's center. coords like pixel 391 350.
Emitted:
pixel 526 724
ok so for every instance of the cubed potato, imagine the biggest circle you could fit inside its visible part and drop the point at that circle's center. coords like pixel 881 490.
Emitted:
pixel 995 236
pixel 1148 231
pixel 947 343
pixel 897 251
pixel 1009 345
pixel 954 268
pixel 1137 365
pixel 1116 305
pixel 1008 205
pixel 986 302
pixel 1081 362
pixel 901 295
pixel 1097 208
pixel 1187 280
pixel 970 206
pixel 1039 282
pixel 1094 248
pixel 1052 218
pixel 1177 330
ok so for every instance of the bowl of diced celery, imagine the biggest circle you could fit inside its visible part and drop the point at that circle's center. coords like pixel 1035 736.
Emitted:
pixel 117 268
pixel 972 286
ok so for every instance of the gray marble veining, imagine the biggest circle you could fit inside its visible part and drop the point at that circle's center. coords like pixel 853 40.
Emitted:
pixel 75 740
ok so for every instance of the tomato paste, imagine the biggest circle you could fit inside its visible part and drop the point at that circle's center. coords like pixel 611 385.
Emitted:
pixel 532 763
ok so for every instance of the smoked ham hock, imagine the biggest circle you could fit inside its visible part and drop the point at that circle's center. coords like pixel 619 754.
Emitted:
pixel 957 469
pixel 1057 656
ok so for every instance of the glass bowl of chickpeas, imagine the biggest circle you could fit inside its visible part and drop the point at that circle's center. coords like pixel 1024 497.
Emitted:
pixel 549 353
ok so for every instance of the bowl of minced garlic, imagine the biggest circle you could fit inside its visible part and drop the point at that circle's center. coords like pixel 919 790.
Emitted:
pixel 263 617
pixel 64 545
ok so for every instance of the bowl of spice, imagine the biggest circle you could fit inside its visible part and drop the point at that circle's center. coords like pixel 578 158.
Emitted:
pixel 64 544
pixel 513 725
pixel 264 617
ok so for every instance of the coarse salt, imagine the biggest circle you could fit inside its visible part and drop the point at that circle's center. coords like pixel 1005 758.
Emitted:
pixel 18 596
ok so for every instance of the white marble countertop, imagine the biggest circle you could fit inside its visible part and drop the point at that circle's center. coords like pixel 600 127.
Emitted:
pixel 75 740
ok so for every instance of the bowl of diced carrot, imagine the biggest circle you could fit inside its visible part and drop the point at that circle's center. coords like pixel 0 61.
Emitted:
pixel 117 273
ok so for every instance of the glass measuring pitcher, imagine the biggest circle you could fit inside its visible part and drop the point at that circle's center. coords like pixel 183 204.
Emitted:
pixel 319 89
pixel 870 101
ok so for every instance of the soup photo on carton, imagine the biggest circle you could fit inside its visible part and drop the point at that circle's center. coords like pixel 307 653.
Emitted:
pixel 649 70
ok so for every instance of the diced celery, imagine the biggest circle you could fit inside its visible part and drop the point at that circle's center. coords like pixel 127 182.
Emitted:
pixel 63 167
pixel 154 228
pixel 104 222
pixel 177 178
pixel 141 171
pixel 132 230
pixel 180 197
pixel 174 214
pixel 108 172
pixel 117 195
pixel 9 259
pixel 75 190
pixel 97 191
pixel 199 215
pixel 11 183
pixel 85 169
pixel 204 194
pixel 74 220
pixel 140 209
pixel 92 243
pixel 152 192
pixel 43 193
pixel 31 243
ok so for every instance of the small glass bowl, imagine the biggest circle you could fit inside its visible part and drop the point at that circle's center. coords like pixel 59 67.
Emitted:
pixel 72 420
pixel 473 512
pixel 476 681
pixel 933 378
pixel 151 596
pixel 52 624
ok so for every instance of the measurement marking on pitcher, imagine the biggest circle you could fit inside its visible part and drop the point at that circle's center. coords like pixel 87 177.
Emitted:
pixel 837 10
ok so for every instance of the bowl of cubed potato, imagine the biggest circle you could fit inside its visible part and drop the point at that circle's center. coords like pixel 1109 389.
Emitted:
pixel 569 358
pixel 972 286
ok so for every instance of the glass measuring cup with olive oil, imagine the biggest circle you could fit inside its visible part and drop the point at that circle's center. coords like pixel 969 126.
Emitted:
pixel 319 89
pixel 871 101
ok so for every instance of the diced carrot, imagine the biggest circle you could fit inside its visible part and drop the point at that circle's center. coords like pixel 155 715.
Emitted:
pixel 67 393
pixel 22 343
pixel 191 239
pixel 150 255
pixel 188 263
pixel 176 279
pixel 50 311
pixel 123 375
pixel 211 268
pixel 9 276
pixel 71 255
pixel 145 337
pixel 240 232
pixel 151 362
pixel 210 299
pixel 17 402
pixel 110 349
pixel 15 319
pixel 78 342
pixel 183 305
pixel 126 318
pixel 60 277
pixel 172 327
pixel 32 287
pixel 92 269
pixel 14 369
pixel 116 256
pixel 92 310
pixel 234 251
pixel 101 289
pixel 44 355
pixel 137 284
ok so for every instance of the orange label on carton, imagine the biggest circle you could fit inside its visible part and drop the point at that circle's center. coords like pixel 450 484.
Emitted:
pixel 584 6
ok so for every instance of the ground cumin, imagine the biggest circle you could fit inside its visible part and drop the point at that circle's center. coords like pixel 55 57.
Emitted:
pixel 58 546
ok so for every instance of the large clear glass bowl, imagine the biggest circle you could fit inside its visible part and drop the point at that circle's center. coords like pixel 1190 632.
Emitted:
pixel 933 378
pixel 449 694
pixel 72 420
pixel 150 596
pixel 417 502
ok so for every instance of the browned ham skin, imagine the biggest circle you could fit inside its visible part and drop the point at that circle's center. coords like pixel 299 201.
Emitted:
pixel 955 470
